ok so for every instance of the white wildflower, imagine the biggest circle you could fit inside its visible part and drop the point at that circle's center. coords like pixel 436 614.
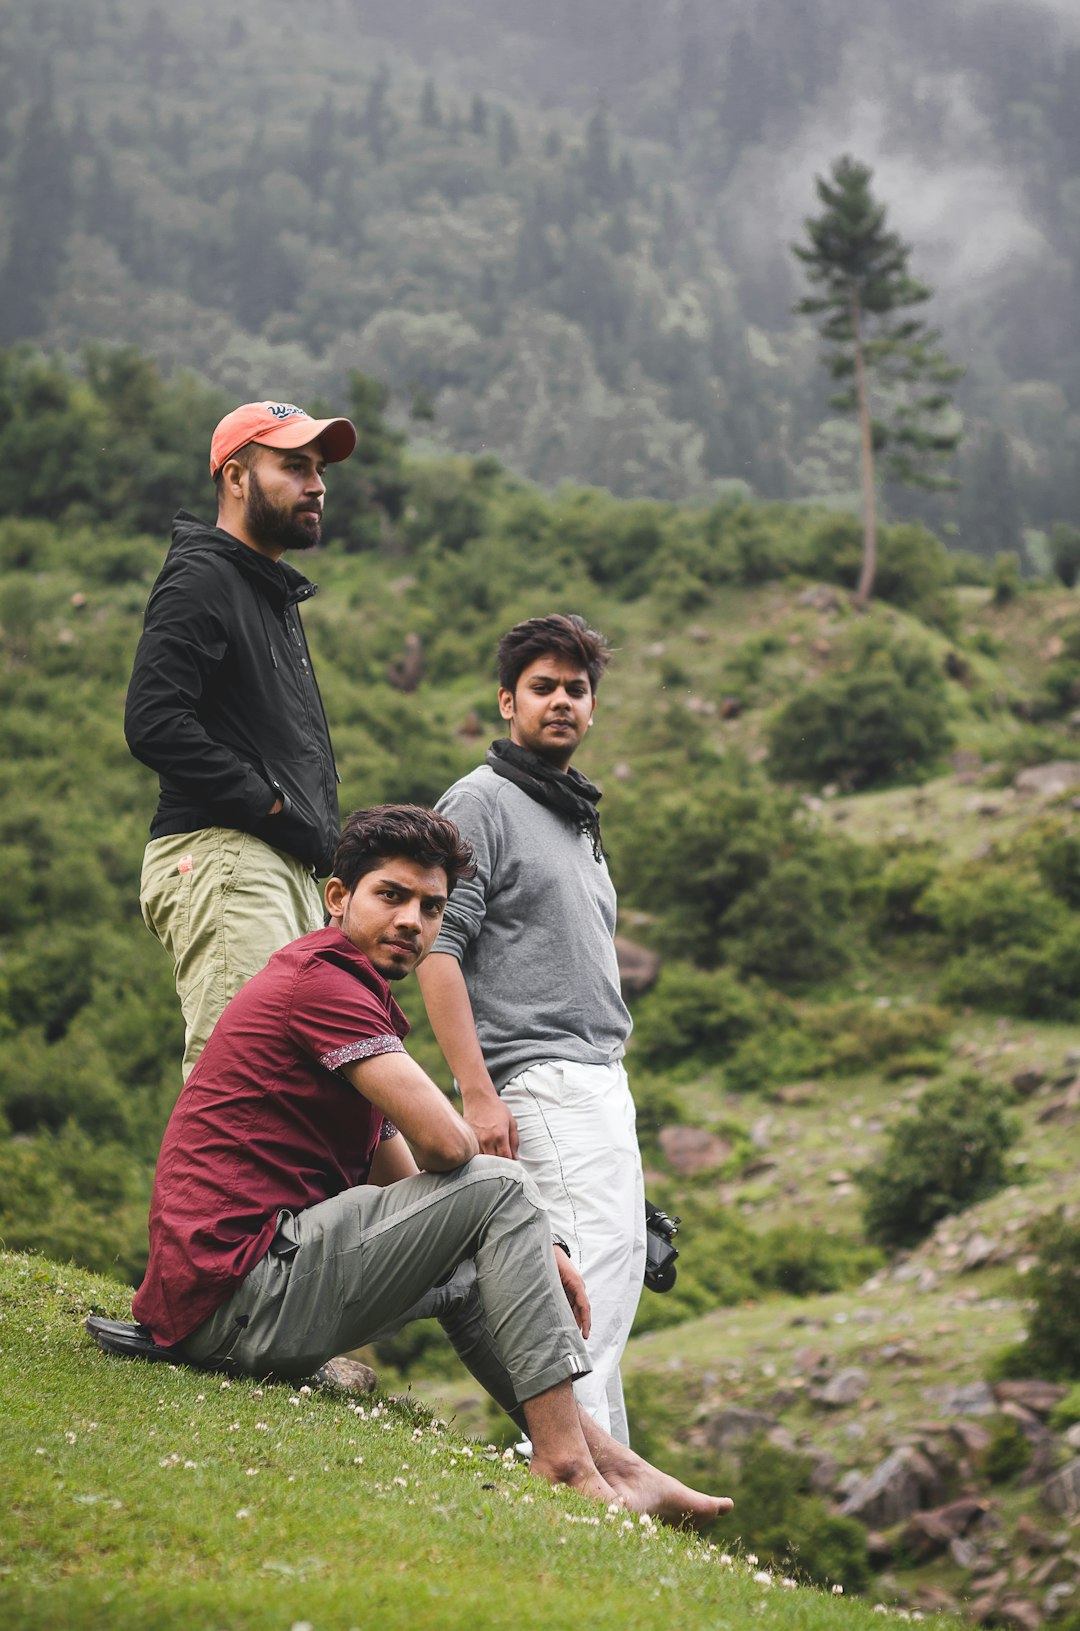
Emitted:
pixel 305 1391
pixel 243 1512
pixel 838 1591
pixel 763 1578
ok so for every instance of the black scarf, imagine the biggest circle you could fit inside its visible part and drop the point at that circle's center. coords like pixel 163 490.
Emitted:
pixel 566 791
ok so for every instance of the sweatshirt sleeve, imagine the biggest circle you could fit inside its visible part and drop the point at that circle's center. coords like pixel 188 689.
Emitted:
pixel 466 909
pixel 183 646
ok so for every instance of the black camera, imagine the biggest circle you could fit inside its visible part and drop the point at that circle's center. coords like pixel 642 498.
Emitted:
pixel 660 1254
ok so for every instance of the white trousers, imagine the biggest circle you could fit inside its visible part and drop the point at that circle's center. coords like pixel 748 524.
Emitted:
pixel 578 1143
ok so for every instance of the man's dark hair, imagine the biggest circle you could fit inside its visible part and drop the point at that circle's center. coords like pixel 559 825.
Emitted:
pixel 370 837
pixel 559 635
pixel 244 456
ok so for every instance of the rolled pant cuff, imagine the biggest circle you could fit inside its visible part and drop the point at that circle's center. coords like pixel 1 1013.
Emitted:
pixel 567 1369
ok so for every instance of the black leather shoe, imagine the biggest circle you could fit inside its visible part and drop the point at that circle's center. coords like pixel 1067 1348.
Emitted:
pixel 130 1341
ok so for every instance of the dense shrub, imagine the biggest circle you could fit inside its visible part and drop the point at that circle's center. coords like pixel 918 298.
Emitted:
pixel 1064 542
pixel 791 926
pixel 1007 1453
pixel 721 855
pixel 790 1529
pixel 944 1156
pixel 1052 1346
pixel 914 570
pixel 896 893
pixel 882 715
pixel 694 1014
pixel 1005 580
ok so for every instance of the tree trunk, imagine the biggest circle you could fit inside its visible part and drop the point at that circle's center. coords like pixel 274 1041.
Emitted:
pixel 866 441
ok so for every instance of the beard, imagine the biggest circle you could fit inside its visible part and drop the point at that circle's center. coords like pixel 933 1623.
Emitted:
pixel 275 525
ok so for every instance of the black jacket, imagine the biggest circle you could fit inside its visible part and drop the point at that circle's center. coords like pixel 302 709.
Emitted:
pixel 223 702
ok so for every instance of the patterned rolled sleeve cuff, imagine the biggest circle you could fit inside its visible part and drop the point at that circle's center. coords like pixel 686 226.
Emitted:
pixel 367 1047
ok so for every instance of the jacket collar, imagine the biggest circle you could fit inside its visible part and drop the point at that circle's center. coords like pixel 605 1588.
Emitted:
pixel 279 581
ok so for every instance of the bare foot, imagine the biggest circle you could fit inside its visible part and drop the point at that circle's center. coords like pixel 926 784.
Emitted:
pixel 645 1489
pixel 579 1475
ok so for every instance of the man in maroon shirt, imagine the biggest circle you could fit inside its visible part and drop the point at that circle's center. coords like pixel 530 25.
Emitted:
pixel 290 1221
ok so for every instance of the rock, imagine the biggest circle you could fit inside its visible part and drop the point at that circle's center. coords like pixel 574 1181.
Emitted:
pixel 691 1150
pixel 983 1609
pixel 795 1093
pixel 731 707
pixel 622 771
pixel 723 1432
pixel 1071 1436
pixel 964 762
pixel 699 634
pixel 1051 780
pixel 845 1388
pixel 343 1375
pixel 971 1399
pixel 935 1600
pixel 1056 1597
pixel 1027 1081
pixel 759 1165
pixel 1017 1614
pixel 928 1533
pixel 964 1553
pixel 1038 1397
pixel 879 1549
pixel 1031 1537
pixel 899 1486
pixel 704 707
pixel 638 966
pixel 1061 1493
pixel 820 597
pixel 979 1249
pixel 838 1176
pixel 823 1473
pixel 972 1438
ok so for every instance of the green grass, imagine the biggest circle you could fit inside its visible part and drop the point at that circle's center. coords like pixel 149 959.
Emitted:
pixel 151 1495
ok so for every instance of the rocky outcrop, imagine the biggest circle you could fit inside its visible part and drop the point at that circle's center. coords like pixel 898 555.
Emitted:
pixel 902 1484
pixel 690 1150
pixel 638 966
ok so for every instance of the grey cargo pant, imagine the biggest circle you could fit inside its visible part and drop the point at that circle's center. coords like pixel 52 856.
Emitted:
pixel 471 1247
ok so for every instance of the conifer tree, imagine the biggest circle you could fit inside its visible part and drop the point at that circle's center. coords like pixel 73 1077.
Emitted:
pixel 893 377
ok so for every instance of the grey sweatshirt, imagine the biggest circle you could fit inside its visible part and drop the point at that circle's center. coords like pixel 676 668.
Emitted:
pixel 533 932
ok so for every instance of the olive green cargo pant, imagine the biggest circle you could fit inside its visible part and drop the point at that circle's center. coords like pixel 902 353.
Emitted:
pixel 222 902
pixel 471 1248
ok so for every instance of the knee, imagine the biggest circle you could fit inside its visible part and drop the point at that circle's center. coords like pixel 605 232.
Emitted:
pixel 511 1175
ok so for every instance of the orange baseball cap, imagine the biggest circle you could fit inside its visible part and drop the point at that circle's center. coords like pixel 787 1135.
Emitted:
pixel 279 424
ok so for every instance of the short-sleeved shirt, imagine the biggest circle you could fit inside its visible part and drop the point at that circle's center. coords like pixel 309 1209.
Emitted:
pixel 265 1123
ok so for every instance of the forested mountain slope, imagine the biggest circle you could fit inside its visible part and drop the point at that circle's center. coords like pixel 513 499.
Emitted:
pixel 566 237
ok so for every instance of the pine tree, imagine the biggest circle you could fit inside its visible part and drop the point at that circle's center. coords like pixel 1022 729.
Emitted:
pixel 893 376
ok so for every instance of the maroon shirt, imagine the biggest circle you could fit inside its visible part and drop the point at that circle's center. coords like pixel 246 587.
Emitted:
pixel 264 1124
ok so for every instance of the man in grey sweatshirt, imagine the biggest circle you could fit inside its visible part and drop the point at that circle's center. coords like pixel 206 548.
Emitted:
pixel 522 985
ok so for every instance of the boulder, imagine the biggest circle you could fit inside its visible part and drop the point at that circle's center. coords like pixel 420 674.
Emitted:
pixel 1061 1493
pixel 820 597
pixel 1031 1394
pixel 1018 1614
pixel 690 1150
pixel 927 1533
pixel 723 1432
pixel 903 1483
pixel 343 1375
pixel 1050 780
pixel 1027 1081
pixel 731 707
pixel 845 1388
pixel 795 1093
pixel 971 1399
pixel 638 966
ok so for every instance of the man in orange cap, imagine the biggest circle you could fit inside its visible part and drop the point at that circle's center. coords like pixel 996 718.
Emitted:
pixel 223 704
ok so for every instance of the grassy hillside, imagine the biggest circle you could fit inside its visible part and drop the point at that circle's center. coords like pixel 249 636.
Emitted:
pixel 150 1494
